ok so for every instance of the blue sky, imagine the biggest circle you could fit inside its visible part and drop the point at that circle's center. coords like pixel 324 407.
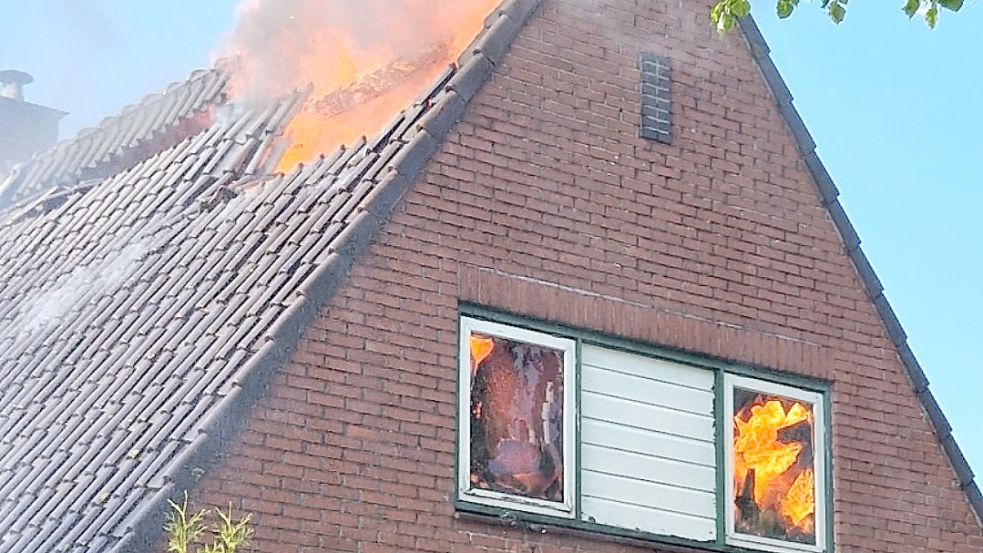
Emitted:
pixel 893 106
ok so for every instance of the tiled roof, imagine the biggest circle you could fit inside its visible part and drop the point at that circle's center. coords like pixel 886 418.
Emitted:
pixel 872 285
pixel 142 313
pixel 149 293
pixel 158 122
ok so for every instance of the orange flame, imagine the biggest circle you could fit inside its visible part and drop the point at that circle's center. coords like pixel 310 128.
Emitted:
pixel 480 348
pixel 365 60
pixel 757 447
pixel 800 502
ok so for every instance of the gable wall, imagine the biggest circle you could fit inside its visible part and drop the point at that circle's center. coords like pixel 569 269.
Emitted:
pixel 544 202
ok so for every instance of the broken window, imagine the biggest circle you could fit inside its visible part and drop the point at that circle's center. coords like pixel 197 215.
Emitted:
pixel 775 452
pixel 665 448
pixel 517 446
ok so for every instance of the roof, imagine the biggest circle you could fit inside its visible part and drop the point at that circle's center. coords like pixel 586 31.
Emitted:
pixel 155 280
pixel 142 312
pixel 158 122
pixel 872 285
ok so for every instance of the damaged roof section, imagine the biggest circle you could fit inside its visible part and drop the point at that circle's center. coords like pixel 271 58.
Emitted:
pixel 142 313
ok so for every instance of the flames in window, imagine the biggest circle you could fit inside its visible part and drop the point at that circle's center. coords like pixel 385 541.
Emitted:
pixel 774 476
pixel 516 418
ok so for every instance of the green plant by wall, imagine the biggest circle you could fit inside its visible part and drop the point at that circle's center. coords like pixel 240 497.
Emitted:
pixel 187 531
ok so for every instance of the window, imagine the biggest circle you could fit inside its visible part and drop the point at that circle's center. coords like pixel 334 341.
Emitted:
pixel 517 405
pixel 562 426
pixel 775 466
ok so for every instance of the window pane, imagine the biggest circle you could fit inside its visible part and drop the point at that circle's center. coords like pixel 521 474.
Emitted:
pixel 516 418
pixel 774 472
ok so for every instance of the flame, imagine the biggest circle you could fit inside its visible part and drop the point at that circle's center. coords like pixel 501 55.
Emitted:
pixel 757 447
pixel 365 61
pixel 480 348
pixel 799 502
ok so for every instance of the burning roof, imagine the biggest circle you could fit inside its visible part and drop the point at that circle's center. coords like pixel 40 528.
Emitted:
pixel 163 271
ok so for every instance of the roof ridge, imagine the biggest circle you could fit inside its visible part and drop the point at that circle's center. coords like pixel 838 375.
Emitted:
pixel 119 141
pixel 147 100
pixel 255 155
pixel 829 195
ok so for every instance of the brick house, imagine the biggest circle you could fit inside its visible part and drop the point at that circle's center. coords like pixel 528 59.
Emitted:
pixel 593 292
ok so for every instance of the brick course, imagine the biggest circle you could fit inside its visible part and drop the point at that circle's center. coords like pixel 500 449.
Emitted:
pixel 544 201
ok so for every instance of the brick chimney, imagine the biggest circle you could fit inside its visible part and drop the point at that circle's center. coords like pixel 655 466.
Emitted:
pixel 25 128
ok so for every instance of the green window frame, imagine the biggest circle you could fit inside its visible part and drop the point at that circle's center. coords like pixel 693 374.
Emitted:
pixel 725 373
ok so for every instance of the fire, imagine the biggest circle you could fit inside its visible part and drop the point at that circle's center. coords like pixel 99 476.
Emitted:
pixel 772 460
pixel 799 502
pixel 480 348
pixel 365 61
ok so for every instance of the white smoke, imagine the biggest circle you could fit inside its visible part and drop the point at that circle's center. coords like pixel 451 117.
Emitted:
pixel 49 307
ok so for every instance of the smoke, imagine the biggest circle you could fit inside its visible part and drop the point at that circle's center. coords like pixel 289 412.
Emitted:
pixel 49 308
pixel 282 45
pixel 364 61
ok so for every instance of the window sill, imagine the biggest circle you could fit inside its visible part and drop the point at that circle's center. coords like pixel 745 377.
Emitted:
pixel 544 525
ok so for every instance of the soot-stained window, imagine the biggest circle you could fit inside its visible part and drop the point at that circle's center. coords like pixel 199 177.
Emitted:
pixel 516 401
pixel 776 462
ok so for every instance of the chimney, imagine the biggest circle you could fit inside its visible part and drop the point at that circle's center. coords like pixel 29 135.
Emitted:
pixel 12 83
pixel 25 128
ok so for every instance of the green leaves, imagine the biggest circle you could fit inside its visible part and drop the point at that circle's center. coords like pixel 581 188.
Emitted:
pixel 837 11
pixel 930 9
pixel 185 530
pixel 786 7
pixel 183 527
pixel 725 13
pixel 911 8
pixel 932 15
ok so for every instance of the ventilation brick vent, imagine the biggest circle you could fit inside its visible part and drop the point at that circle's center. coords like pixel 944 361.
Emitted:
pixel 656 100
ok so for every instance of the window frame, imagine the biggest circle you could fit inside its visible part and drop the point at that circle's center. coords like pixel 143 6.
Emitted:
pixel 514 510
pixel 571 362
pixel 816 400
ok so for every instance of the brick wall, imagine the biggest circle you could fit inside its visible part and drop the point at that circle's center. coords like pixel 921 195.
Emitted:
pixel 544 202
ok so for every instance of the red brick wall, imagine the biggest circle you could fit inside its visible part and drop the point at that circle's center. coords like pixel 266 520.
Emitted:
pixel 544 201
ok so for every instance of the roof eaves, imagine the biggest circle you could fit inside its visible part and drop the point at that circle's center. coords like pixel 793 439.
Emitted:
pixel 143 527
pixel 872 285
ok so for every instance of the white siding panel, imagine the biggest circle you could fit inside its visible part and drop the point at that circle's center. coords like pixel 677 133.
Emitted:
pixel 643 390
pixel 643 494
pixel 648 367
pixel 645 467
pixel 629 412
pixel 634 517
pixel 647 444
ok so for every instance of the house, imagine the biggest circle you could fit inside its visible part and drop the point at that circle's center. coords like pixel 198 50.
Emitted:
pixel 593 291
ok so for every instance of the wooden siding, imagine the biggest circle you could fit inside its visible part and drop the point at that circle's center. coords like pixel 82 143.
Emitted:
pixel 647 454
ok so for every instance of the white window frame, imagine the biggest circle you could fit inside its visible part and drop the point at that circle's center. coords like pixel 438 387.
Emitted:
pixel 503 500
pixel 816 400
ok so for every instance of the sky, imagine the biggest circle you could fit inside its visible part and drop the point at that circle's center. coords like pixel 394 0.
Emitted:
pixel 893 106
